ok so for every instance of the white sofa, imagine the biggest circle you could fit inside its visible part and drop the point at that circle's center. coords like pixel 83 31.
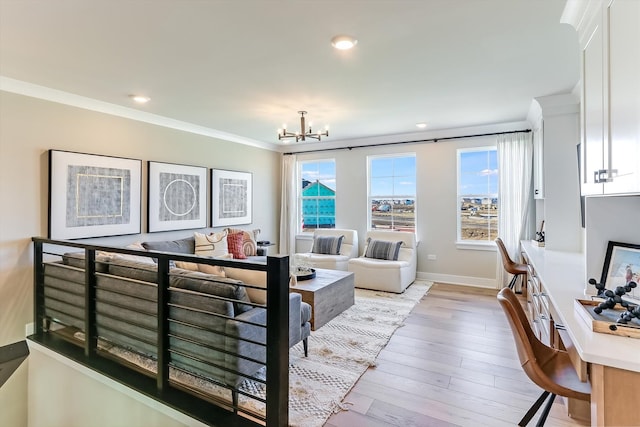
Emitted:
pixel 382 274
pixel 348 250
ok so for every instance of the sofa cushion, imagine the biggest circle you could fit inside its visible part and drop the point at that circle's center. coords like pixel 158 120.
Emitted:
pixel 212 245
pixel 216 270
pixel 182 246
pixel 134 270
pixel 328 245
pixel 76 259
pixel 234 242
pixel 212 285
pixel 382 249
pixel 251 277
pixel 137 246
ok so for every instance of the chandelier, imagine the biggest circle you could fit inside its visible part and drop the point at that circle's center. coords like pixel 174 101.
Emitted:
pixel 302 135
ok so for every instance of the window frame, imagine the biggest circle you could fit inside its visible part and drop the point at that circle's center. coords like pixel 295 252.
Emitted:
pixel 300 198
pixel 482 245
pixel 394 196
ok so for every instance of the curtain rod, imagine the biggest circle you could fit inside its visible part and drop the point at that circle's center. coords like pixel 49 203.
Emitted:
pixel 416 141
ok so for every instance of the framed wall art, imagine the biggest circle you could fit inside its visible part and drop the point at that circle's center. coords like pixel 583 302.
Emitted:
pixel 92 195
pixel 177 197
pixel 231 198
pixel 621 266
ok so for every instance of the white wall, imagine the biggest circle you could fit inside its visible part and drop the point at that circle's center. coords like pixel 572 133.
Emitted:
pixel 28 128
pixel 437 206
pixel 608 219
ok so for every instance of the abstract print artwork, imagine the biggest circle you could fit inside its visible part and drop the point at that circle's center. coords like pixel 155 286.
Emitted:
pixel 92 195
pixel 231 195
pixel 177 197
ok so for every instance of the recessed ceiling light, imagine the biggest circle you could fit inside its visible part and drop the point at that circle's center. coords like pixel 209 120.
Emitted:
pixel 343 42
pixel 140 99
pixel 421 125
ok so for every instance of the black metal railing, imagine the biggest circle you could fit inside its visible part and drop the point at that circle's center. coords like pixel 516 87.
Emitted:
pixel 159 385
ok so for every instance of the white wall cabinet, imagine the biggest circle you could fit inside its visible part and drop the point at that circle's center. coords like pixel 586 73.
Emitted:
pixel 609 32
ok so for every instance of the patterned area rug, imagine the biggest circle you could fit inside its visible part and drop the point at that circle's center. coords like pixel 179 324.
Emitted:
pixel 339 353
pixel 342 350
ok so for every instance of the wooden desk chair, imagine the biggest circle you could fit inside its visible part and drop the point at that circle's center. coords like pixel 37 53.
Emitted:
pixel 510 266
pixel 550 368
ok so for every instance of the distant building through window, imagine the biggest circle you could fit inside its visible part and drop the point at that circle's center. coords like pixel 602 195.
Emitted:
pixel 478 194
pixel 317 198
pixel 392 192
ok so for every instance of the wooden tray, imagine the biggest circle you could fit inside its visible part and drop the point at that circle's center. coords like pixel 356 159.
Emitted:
pixel 606 321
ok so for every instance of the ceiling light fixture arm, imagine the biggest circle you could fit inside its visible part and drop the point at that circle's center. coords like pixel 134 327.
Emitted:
pixel 302 135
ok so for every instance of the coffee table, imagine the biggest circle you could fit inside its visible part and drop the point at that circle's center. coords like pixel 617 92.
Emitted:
pixel 329 293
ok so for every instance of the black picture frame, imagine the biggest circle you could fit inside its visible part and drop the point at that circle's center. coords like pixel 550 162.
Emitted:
pixel 231 198
pixel 620 259
pixel 176 197
pixel 92 195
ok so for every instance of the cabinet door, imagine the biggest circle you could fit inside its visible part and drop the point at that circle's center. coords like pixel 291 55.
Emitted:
pixel 593 111
pixel 623 18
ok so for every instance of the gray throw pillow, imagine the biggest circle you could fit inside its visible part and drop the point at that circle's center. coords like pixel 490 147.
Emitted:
pixel 327 245
pixel 182 246
pixel 212 285
pixel 382 249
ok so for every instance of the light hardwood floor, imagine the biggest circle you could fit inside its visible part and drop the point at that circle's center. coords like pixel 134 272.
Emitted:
pixel 453 363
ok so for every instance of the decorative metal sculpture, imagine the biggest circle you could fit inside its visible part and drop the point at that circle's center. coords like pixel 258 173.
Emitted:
pixel 615 297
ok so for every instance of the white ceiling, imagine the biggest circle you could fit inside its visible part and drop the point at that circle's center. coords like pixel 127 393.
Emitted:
pixel 246 66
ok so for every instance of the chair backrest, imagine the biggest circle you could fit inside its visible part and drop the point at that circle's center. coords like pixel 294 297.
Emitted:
pixel 349 246
pixel 535 357
pixel 408 248
pixel 507 262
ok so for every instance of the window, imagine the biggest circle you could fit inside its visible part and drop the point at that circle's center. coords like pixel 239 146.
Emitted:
pixel 477 195
pixel 392 192
pixel 317 197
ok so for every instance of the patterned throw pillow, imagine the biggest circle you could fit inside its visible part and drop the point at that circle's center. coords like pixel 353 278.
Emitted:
pixel 327 245
pixel 382 249
pixel 212 245
pixel 235 244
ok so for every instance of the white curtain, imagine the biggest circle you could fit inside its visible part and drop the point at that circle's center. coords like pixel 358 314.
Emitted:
pixel 515 163
pixel 288 217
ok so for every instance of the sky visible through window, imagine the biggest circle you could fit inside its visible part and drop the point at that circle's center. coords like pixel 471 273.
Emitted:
pixel 393 176
pixel 323 171
pixel 479 173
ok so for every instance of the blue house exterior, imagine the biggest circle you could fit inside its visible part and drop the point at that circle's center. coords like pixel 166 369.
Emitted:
pixel 318 206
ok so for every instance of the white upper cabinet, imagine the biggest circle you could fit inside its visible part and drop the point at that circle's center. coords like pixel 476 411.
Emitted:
pixel 624 96
pixel 609 33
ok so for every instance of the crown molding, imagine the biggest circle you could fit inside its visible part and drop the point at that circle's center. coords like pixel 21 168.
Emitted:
pixel 48 94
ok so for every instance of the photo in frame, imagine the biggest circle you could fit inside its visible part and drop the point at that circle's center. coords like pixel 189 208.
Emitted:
pixel 231 198
pixel 92 195
pixel 176 196
pixel 621 265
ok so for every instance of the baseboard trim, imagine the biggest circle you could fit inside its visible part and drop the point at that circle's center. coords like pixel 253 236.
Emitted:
pixel 478 282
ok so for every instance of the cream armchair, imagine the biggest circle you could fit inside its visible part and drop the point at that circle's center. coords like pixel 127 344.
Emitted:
pixel 339 261
pixel 376 268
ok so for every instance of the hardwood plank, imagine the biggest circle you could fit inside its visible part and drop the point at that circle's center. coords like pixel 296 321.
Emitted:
pixel 437 372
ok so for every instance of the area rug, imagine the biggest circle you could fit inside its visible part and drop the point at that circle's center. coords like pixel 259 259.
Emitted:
pixel 339 353
pixel 342 350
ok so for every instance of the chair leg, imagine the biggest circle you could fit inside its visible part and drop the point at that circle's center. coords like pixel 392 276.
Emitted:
pixel 512 283
pixel 305 344
pixel 532 411
pixel 546 410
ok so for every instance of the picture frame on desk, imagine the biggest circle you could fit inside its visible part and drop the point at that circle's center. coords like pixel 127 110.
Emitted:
pixel 621 265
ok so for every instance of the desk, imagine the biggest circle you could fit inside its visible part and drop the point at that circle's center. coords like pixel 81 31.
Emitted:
pixel 614 361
